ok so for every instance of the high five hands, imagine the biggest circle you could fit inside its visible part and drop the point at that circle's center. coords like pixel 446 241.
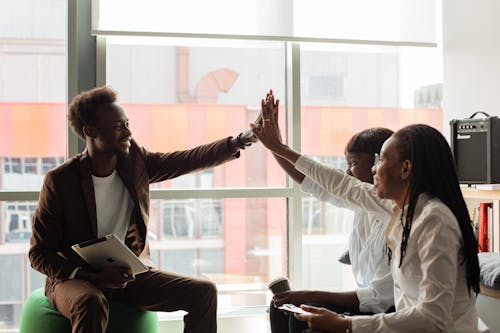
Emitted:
pixel 267 130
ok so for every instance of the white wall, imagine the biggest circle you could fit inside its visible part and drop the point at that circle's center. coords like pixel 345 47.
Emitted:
pixel 471 80
pixel 487 309
pixel 471 58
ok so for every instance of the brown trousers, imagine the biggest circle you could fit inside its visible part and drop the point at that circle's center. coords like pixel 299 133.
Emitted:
pixel 87 306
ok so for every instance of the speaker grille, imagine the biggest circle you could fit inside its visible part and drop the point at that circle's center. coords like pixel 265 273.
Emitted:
pixel 471 157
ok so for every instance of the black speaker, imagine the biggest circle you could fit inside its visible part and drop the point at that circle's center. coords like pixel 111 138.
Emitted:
pixel 475 144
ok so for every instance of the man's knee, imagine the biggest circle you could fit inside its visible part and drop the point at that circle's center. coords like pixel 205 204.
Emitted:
pixel 206 292
pixel 207 289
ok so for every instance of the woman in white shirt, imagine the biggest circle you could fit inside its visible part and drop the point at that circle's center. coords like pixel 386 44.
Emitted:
pixel 374 292
pixel 432 249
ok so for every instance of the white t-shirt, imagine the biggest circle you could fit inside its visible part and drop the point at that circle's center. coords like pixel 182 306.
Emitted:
pixel 113 204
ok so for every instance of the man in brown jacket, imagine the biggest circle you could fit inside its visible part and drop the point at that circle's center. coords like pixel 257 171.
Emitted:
pixel 105 190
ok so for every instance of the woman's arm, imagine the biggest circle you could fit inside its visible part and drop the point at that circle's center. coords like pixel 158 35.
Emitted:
pixel 289 168
pixel 332 180
pixel 338 183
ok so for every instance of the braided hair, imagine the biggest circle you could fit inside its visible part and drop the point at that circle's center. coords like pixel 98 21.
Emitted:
pixel 434 172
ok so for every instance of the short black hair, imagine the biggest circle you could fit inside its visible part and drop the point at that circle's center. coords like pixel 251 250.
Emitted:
pixel 368 141
pixel 84 106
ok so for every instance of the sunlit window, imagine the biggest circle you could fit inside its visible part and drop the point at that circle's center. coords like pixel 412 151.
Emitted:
pixel 184 83
pixel 32 132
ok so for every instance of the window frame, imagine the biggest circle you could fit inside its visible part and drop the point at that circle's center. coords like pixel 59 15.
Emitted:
pixel 86 68
pixel 291 192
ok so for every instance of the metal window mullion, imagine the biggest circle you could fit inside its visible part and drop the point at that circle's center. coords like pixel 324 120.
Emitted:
pixel 220 193
pixel 19 195
pixel 294 231
pixel 72 71
pixel 100 61
pixel 81 65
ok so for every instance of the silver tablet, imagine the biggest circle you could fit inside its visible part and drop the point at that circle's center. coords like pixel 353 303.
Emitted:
pixel 109 251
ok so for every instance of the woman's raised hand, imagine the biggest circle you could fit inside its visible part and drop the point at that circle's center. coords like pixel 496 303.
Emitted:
pixel 267 130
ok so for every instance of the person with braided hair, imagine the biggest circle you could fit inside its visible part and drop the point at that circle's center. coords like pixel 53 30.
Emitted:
pixel 430 241
pixel 366 241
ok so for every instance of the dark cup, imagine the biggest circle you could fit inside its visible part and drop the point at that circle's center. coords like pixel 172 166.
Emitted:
pixel 279 285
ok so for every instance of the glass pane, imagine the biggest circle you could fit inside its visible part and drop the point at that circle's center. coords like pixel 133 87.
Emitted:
pixel 11 278
pixel 9 316
pixel 36 279
pixel 237 243
pixel 33 89
pixel 181 93
pixel 14 265
pixel 325 230
pixel 17 218
pixel 348 88
pixel 32 128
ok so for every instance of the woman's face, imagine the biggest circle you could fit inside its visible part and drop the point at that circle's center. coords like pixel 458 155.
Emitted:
pixel 391 175
pixel 359 165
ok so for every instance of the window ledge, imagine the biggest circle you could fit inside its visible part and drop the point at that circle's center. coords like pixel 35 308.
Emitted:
pixel 246 311
pixel 236 319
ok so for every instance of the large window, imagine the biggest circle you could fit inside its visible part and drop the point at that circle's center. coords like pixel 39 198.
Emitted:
pixel 237 243
pixel 184 82
pixel 206 89
pixel 180 93
pixel 362 87
pixel 32 133
pixel 32 89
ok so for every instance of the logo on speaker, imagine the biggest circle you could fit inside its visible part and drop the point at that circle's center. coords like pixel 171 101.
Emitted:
pixel 463 137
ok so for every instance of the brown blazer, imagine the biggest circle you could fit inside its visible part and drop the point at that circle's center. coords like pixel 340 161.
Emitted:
pixel 66 212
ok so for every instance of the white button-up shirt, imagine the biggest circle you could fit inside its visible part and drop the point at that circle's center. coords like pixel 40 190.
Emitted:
pixel 430 288
pixel 369 263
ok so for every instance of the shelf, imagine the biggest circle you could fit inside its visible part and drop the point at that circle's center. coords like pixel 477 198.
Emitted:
pixel 490 292
pixel 472 193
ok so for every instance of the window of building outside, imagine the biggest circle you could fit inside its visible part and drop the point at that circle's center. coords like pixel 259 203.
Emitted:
pixel 32 132
pixel 182 92
pixel 192 219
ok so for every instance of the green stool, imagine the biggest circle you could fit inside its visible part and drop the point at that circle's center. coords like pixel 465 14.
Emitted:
pixel 39 316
